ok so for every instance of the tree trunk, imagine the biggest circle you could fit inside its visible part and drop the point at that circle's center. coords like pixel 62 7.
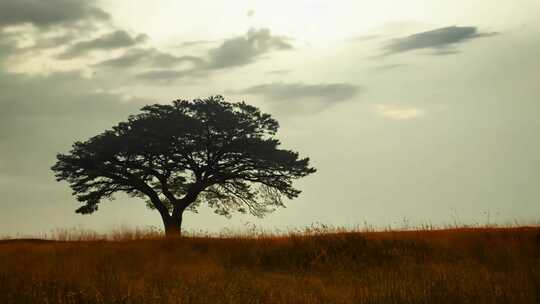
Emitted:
pixel 173 224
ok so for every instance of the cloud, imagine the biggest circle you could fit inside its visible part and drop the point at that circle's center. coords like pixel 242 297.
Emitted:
pixel 47 13
pixel 278 91
pixel 8 45
pixel 386 67
pixel 55 95
pixel 439 40
pixel 233 52
pixel 194 43
pixel 43 115
pixel 240 51
pixel 167 75
pixel 399 112
pixel 363 38
pixel 50 42
pixel 278 72
pixel 148 57
pixel 114 40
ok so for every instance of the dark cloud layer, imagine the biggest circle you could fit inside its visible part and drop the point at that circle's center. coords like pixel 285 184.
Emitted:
pixel 49 113
pixel 115 40
pixel 326 92
pixel 439 39
pixel 45 13
pixel 8 45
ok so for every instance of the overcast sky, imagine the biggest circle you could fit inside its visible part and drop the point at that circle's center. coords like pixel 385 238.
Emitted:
pixel 414 111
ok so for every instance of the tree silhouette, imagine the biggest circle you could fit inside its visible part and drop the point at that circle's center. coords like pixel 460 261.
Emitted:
pixel 181 155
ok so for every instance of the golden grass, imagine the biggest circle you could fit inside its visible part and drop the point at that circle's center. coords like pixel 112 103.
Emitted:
pixel 491 265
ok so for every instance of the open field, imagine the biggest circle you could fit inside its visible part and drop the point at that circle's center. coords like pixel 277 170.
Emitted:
pixel 491 265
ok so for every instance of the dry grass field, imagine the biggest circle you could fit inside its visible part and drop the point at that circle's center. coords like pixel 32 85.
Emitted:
pixel 489 265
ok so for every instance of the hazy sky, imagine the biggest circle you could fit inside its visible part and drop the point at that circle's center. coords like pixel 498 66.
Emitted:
pixel 420 110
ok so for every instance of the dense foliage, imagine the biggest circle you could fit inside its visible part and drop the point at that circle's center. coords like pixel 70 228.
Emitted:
pixel 183 154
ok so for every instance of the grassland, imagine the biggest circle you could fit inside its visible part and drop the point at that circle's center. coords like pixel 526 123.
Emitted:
pixel 495 265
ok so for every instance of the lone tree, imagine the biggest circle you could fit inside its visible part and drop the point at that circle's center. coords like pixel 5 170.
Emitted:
pixel 181 155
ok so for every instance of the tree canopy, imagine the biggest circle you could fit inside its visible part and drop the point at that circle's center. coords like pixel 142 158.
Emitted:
pixel 183 154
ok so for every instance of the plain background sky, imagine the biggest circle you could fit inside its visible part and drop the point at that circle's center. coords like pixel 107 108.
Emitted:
pixel 416 111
